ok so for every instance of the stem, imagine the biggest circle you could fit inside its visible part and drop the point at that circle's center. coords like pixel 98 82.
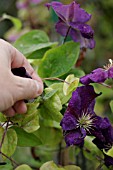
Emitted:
pixel 81 57
pixel 54 78
pixel 106 85
pixel 9 158
pixel 66 35
pixel 34 155
pixel 4 134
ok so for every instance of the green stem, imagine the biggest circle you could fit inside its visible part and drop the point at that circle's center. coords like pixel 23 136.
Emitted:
pixel 54 78
pixel 4 134
pixel 66 35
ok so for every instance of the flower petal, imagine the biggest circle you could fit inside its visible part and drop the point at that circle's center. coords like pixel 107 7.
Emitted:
pixel 75 138
pixel 68 122
pixel 108 160
pixel 78 14
pixel 110 72
pixel 86 30
pixel 61 28
pixel 71 12
pixel 61 10
pixel 82 101
pixel 98 75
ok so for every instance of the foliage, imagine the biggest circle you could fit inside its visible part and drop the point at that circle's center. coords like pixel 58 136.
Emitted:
pixel 60 63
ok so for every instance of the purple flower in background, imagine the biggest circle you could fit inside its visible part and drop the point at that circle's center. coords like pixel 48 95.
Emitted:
pixel 79 118
pixel 24 4
pixel 98 75
pixel 72 21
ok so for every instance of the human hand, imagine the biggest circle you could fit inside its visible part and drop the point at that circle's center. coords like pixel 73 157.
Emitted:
pixel 14 89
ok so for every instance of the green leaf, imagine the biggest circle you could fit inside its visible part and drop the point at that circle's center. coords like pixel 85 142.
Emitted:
pixel 49 94
pixel 111 105
pixel 38 54
pixel 51 123
pixel 8 166
pixel 72 167
pixel 52 166
pixel 50 109
pixel 70 84
pixel 91 152
pixel 110 152
pixel 2 117
pixel 33 41
pixel 23 167
pixel 10 141
pixel 17 23
pixel 26 139
pixel 30 120
pixel 59 92
pixel 58 61
pixel 49 136
pixel 77 72
pixel 49 165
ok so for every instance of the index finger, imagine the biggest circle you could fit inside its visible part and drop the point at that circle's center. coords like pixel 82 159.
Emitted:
pixel 19 60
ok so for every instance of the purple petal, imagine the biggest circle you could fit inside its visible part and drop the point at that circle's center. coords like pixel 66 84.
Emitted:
pixel 75 138
pixel 90 43
pixel 110 72
pixel 103 131
pixel 61 10
pixel 68 122
pixel 108 160
pixel 75 35
pixel 99 143
pixel 78 14
pixel 85 29
pixel 78 37
pixel 83 99
pixel 61 28
pixel 97 76
pixel 71 12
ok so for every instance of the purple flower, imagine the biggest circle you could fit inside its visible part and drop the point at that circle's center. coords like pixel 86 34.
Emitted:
pixel 108 160
pixel 79 118
pixel 103 134
pixel 72 21
pixel 98 75
pixel 22 5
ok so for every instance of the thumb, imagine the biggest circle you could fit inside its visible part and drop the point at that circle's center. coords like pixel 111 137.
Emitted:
pixel 26 88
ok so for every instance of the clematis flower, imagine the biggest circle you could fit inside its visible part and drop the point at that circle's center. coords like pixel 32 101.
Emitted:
pixel 80 118
pixel 72 22
pixel 98 75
